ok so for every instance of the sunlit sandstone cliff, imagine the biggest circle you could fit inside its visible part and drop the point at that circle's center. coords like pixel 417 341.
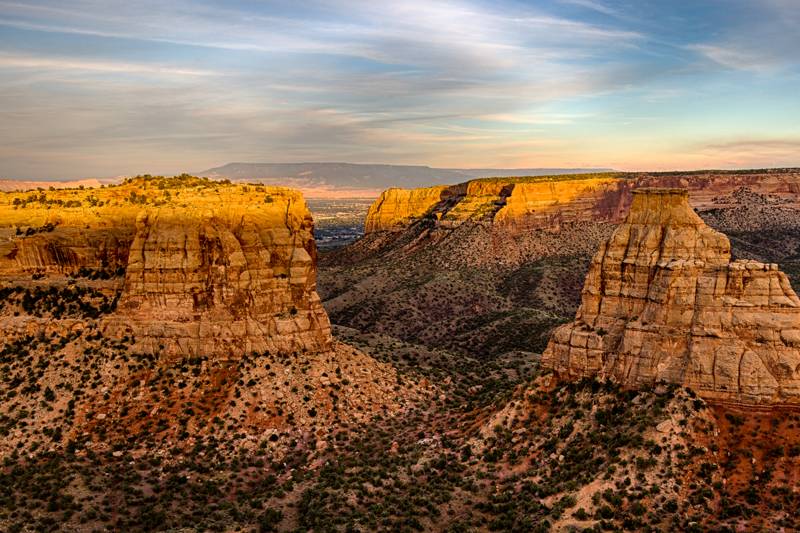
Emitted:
pixel 398 207
pixel 518 204
pixel 663 301
pixel 224 282
pixel 172 309
pixel 210 269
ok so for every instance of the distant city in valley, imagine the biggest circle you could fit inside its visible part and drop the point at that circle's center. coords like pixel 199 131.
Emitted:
pixel 338 222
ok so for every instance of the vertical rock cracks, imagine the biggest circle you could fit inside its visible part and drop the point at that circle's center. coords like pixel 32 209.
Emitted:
pixel 663 301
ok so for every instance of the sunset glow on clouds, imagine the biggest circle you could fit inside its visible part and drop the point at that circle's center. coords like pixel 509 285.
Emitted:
pixel 101 88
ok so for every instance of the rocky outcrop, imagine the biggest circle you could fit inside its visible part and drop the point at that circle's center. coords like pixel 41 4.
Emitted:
pixel 210 269
pixel 201 283
pixel 542 202
pixel 549 204
pixel 211 329
pixel 509 202
pixel 68 250
pixel 396 208
pixel 663 301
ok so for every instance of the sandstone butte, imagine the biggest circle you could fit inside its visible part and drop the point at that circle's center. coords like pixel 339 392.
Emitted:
pixel 545 202
pixel 214 314
pixel 663 301
pixel 219 270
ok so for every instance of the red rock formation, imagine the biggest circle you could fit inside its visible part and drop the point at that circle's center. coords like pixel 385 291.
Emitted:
pixel 395 208
pixel 217 330
pixel 663 301
pixel 68 250
pixel 522 204
pixel 211 269
pixel 207 283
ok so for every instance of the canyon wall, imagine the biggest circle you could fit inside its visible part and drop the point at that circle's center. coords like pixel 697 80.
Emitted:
pixel 224 283
pixel 520 204
pixel 396 208
pixel 663 301
pixel 209 269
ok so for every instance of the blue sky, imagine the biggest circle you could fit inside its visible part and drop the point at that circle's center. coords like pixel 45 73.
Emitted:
pixel 105 88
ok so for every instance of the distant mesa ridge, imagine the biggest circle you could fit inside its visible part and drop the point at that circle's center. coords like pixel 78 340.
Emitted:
pixel 374 177
pixel 322 178
pixel 547 202
pixel 22 185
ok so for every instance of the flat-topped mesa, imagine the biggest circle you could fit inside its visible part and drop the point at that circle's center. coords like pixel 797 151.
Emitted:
pixel 396 208
pixel 546 202
pixel 210 268
pixel 515 203
pixel 663 301
pixel 212 319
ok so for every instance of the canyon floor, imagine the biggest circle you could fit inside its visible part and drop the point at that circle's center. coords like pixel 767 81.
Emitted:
pixel 500 448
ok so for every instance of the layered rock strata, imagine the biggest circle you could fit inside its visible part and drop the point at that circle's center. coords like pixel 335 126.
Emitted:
pixel 522 204
pixel 211 328
pixel 395 208
pixel 223 283
pixel 663 301
pixel 210 269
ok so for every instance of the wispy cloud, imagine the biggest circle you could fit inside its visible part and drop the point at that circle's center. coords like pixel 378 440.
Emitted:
pixel 594 5
pixel 413 32
pixel 12 61
pixel 775 146
pixel 765 38
pixel 106 86
pixel 754 152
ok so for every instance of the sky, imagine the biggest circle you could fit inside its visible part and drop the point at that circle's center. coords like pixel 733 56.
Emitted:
pixel 100 88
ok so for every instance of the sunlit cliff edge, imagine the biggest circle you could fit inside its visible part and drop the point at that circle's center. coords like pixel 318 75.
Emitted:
pixel 547 201
pixel 165 299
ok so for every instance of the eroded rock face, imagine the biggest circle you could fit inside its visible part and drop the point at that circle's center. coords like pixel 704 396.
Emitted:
pixel 210 329
pixel 210 269
pixel 395 208
pixel 522 204
pixel 201 283
pixel 71 250
pixel 548 205
pixel 663 301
